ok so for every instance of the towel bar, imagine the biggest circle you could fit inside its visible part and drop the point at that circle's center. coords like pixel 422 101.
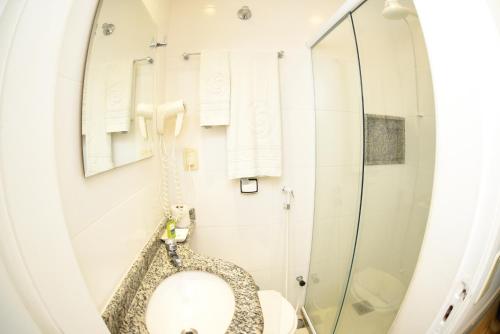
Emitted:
pixel 186 55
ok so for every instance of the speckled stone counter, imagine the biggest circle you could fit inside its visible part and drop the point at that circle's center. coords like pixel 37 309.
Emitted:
pixel 247 317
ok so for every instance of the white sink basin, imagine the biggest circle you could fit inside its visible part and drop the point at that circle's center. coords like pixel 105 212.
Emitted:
pixel 190 300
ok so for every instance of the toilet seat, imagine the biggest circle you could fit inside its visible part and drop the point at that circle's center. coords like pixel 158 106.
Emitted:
pixel 279 315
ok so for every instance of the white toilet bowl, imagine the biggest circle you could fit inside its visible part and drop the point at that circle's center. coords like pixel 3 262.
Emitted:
pixel 279 315
pixel 381 290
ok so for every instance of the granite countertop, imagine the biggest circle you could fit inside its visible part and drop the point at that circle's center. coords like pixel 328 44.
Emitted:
pixel 247 317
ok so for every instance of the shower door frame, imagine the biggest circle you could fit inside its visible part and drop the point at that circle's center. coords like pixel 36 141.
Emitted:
pixel 345 13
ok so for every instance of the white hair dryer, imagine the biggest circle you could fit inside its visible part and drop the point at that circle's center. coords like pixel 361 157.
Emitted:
pixel 170 110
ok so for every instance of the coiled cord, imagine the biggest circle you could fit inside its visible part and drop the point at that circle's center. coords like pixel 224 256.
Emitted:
pixel 165 162
pixel 164 196
pixel 177 183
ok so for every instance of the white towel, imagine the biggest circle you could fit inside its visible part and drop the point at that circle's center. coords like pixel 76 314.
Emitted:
pixel 118 96
pixel 214 88
pixel 98 152
pixel 254 135
pixel 98 143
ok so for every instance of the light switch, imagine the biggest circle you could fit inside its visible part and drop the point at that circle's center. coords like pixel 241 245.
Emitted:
pixel 190 156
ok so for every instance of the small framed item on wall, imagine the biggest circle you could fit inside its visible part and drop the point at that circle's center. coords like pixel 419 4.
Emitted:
pixel 249 185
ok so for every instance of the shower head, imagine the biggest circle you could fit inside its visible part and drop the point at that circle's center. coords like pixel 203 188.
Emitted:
pixel 394 10
pixel 244 13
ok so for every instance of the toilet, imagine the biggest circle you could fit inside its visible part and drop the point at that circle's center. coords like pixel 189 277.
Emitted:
pixel 381 290
pixel 279 315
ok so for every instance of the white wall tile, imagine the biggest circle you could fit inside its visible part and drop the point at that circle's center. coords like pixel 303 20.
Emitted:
pixel 300 243
pixel 340 138
pixel 71 65
pixel 296 79
pixel 301 180
pixel 258 247
pixel 183 81
pixel 107 248
pixel 338 190
pixel 87 199
pixel 298 138
pixel 269 279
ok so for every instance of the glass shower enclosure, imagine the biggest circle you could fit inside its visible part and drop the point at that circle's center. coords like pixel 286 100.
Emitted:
pixel 375 135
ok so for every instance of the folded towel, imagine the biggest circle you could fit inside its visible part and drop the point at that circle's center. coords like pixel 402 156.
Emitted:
pixel 119 87
pixel 254 135
pixel 214 88
pixel 97 145
pixel 98 155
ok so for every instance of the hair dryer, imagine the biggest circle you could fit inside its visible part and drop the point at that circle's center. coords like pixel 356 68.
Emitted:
pixel 167 111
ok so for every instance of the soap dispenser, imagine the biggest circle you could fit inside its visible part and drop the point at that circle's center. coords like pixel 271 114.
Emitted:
pixel 170 229
pixel 171 243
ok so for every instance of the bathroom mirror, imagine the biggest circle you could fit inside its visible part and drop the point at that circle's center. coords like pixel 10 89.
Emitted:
pixel 117 99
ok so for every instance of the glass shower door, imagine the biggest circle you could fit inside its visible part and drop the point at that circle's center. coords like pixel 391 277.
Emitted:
pixel 339 154
pixel 375 150
pixel 399 165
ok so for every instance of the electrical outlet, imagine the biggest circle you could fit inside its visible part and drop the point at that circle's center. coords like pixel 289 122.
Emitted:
pixel 190 156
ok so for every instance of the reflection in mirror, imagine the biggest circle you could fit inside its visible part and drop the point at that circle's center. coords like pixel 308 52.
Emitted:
pixel 117 102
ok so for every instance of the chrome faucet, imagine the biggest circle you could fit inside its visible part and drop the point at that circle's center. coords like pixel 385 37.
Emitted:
pixel 175 259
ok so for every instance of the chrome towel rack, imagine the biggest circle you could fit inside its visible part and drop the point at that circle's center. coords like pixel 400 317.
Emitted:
pixel 187 55
pixel 149 60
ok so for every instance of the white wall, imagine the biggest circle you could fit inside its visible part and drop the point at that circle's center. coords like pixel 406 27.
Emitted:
pixel 109 216
pixel 249 229
pixel 14 317
pixel 35 247
pixel 494 7
pixel 462 232
pixel 491 239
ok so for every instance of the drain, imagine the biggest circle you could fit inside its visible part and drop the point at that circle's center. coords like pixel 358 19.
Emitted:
pixel 189 331
pixel 363 307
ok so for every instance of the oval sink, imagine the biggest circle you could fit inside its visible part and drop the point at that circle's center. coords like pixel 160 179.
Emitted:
pixel 190 302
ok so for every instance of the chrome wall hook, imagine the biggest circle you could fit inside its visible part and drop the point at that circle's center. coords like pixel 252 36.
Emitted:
pixel 154 44
pixel 108 28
